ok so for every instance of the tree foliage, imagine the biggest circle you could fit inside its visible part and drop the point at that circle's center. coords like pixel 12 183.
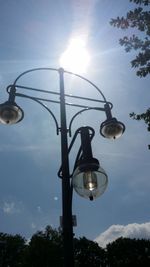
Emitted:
pixel 88 253
pixel 12 250
pixel 126 252
pixel 143 116
pixel 45 249
pixel 139 20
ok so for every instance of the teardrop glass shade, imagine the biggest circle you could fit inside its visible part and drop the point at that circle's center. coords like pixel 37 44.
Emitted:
pixel 90 184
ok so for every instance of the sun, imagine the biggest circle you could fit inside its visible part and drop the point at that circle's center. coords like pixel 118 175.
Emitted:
pixel 76 58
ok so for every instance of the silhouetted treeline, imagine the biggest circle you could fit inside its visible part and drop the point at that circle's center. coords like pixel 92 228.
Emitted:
pixel 45 249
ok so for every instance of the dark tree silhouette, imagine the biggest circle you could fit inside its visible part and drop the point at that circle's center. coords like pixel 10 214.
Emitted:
pixel 88 253
pixel 45 249
pixel 126 252
pixel 12 250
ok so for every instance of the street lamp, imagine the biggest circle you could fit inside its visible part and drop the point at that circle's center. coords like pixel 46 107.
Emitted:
pixel 88 177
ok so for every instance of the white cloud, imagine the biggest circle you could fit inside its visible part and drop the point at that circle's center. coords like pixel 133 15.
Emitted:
pixel 133 230
pixel 33 225
pixel 10 208
pixel 39 209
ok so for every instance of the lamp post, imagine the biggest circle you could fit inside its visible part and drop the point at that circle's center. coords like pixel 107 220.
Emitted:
pixel 87 178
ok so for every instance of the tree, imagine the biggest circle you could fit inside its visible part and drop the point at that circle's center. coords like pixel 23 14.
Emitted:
pixel 126 252
pixel 88 253
pixel 12 249
pixel 143 116
pixel 139 20
pixel 45 249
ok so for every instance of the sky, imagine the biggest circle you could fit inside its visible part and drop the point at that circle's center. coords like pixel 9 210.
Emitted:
pixel 34 34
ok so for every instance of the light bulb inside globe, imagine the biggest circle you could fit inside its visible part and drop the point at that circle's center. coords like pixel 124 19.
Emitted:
pixel 90 180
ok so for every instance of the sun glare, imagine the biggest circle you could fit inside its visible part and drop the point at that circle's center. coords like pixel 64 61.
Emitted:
pixel 76 58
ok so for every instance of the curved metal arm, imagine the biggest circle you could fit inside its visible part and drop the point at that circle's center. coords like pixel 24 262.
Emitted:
pixel 32 70
pixel 85 79
pixel 60 70
pixel 43 105
pixel 86 109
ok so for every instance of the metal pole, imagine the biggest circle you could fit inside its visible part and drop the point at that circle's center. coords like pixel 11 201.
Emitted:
pixel 67 224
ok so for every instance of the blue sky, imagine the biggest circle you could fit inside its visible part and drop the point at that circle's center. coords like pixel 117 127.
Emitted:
pixel 35 34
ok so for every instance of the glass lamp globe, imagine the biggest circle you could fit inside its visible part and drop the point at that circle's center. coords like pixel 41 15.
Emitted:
pixel 90 182
pixel 112 128
pixel 10 113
